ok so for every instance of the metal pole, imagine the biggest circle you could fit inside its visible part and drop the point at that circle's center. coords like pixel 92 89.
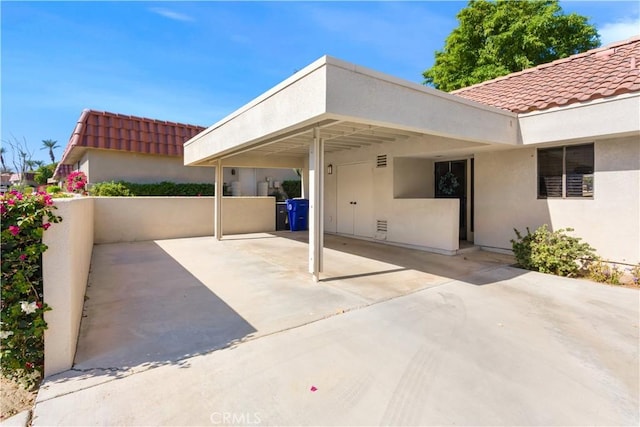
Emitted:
pixel 218 198
pixel 316 208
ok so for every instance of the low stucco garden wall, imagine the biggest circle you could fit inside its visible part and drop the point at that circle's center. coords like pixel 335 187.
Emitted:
pixel 131 219
pixel 65 269
pixel 92 220
pixel 248 215
pixel 426 223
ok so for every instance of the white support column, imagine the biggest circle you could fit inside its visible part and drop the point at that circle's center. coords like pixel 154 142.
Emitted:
pixel 304 178
pixel 218 203
pixel 316 208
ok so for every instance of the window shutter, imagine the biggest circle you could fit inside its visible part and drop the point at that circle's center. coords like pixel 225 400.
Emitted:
pixel 579 170
pixel 550 172
pixel 568 168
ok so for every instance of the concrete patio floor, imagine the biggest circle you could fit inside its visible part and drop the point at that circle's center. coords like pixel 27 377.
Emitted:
pixel 390 336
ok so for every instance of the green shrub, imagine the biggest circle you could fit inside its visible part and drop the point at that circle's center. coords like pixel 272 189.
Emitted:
pixel 22 188
pixel 551 252
pixel 22 326
pixel 164 188
pixel 43 173
pixel 635 275
pixel 110 189
pixel 603 272
pixel 293 188
pixel 53 189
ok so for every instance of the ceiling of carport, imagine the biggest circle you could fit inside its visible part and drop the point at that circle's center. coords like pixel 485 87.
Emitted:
pixel 337 135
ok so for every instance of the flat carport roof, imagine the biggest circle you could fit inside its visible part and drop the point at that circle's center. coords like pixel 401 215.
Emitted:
pixel 351 105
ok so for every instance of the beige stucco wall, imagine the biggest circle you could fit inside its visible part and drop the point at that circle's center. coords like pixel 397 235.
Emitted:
pixel 128 219
pixel 248 214
pixel 90 220
pixel 65 270
pixel 427 223
pixel 376 98
pixel 421 222
pixel 412 177
pixel 249 178
pixel 110 165
pixel 616 116
pixel 506 197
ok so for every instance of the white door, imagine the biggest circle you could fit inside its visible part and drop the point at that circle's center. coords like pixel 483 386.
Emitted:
pixel 355 199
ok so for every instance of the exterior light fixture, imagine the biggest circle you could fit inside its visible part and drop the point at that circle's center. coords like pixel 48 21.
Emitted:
pixel 330 169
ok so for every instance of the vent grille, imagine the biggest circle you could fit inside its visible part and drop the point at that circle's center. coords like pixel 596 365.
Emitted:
pixel 381 226
pixel 381 161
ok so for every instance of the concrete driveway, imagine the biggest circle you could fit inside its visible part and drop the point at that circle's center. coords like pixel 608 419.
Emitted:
pixel 391 336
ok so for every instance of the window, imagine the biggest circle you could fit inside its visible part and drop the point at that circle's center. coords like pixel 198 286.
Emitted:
pixel 565 171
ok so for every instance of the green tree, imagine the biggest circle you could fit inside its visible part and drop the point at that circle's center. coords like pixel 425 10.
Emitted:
pixel 44 172
pixel 50 144
pixel 495 38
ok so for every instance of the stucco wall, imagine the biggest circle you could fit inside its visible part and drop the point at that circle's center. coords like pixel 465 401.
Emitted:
pixel 425 222
pixel 65 270
pixel 606 117
pixel 248 214
pixel 406 105
pixel 109 165
pixel 412 177
pixel 128 219
pixel 506 197
pixel 249 178
pixel 429 223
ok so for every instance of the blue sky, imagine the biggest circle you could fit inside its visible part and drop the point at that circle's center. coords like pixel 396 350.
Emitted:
pixel 196 62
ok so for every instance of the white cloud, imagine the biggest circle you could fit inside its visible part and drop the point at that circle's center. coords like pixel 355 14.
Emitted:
pixel 621 30
pixel 176 16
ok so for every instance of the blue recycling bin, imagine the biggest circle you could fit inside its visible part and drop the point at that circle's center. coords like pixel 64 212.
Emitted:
pixel 298 210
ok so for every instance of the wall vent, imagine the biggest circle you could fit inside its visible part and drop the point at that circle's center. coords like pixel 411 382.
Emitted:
pixel 381 161
pixel 381 226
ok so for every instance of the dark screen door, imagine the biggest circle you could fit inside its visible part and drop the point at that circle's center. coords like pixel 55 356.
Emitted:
pixel 451 183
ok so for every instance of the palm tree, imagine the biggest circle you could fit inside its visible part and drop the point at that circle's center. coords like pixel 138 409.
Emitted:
pixel 2 152
pixel 50 144
pixel 30 165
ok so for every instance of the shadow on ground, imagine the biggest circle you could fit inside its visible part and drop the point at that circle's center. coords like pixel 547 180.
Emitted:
pixel 476 268
pixel 145 309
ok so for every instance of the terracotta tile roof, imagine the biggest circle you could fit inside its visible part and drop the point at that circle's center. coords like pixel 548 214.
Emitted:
pixel 598 73
pixel 111 131
pixel 62 171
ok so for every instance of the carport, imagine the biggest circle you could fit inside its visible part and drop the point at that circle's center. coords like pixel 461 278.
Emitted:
pixel 332 106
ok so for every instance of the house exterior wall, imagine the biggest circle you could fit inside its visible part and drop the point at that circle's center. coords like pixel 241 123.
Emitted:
pixel 506 198
pixel 110 165
pixel 250 178
pixel 413 177
pixel 414 218
pixel 617 116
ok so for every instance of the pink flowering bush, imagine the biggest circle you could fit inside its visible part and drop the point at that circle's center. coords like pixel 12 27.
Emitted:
pixel 76 182
pixel 24 220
